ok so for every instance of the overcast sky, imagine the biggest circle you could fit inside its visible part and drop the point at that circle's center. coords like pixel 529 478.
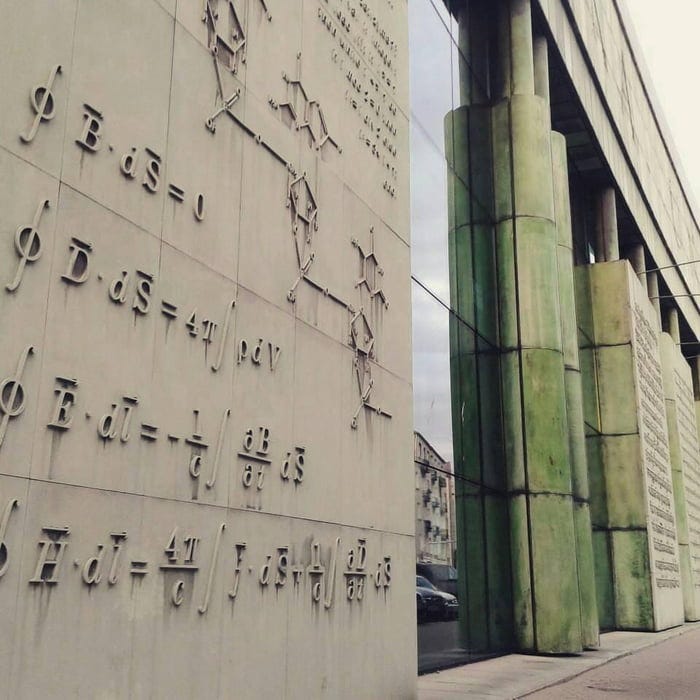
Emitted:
pixel 668 34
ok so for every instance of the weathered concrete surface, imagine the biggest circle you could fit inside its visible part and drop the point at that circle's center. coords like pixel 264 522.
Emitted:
pixel 521 167
pixel 538 457
pixel 574 395
pixel 685 468
pixel 634 532
pixel 205 351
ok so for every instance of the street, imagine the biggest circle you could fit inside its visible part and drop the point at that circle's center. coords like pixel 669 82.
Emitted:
pixel 668 670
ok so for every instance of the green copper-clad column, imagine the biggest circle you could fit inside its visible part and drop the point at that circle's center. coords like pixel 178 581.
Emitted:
pixel 526 561
pixel 574 395
pixel 546 591
pixel 483 554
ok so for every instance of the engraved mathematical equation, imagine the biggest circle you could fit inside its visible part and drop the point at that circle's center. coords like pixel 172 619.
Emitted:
pixel 180 565
pixel 136 290
pixel 690 457
pixel 361 39
pixel 655 453
pixel 117 424
pixel 138 163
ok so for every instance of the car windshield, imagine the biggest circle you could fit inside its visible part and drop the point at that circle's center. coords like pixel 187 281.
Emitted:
pixel 423 583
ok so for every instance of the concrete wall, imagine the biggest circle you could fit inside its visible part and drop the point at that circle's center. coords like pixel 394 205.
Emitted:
pixel 638 574
pixel 596 43
pixel 205 400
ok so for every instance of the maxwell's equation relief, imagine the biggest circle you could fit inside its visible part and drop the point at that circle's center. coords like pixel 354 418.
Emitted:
pixel 180 562
pixel 205 365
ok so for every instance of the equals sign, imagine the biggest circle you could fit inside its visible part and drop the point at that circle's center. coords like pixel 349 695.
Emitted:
pixel 176 192
pixel 149 432
pixel 168 309
pixel 139 568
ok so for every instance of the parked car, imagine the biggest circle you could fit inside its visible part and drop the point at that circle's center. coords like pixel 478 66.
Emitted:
pixel 441 576
pixel 432 603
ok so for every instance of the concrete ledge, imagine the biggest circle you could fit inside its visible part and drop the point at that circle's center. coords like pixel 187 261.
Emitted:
pixel 516 675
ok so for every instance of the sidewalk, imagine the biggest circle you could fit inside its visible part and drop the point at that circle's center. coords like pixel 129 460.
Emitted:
pixel 517 675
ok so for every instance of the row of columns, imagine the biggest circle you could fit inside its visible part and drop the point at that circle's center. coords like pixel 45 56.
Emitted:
pixel 607 249
pixel 503 146
pixel 550 533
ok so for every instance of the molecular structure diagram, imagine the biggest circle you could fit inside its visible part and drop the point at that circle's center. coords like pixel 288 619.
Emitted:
pixel 362 336
pixel 304 222
pixel 227 42
pixel 306 113
pixel 301 200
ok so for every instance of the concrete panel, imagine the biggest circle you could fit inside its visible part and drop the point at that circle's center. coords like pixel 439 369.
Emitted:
pixel 202 175
pixel 547 444
pixel 29 202
pixel 685 468
pixel 532 157
pixel 205 398
pixel 605 591
pixel 538 284
pixel 139 579
pixel 555 588
pixel 111 115
pixel 631 479
pixel 35 79
pixel 80 606
pixel 617 396
pixel 100 322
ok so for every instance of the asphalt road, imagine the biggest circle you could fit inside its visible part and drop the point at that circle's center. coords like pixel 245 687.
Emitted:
pixel 667 671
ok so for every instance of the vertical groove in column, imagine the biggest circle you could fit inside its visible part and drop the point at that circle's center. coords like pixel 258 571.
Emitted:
pixel 484 545
pixel 574 396
pixel 547 607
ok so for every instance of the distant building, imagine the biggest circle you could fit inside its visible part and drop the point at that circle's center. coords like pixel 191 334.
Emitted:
pixel 434 504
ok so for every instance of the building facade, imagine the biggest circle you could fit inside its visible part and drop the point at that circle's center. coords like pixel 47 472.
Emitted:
pixel 434 504
pixel 573 324
pixel 205 362
pixel 215 219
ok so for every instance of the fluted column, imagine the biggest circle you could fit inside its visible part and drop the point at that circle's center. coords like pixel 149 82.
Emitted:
pixel 574 396
pixel 546 591
pixel 485 618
